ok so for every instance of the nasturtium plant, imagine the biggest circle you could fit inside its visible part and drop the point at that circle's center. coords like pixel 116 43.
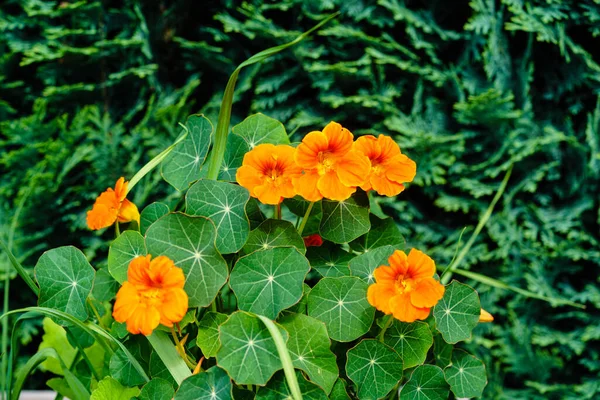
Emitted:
pixel 272 275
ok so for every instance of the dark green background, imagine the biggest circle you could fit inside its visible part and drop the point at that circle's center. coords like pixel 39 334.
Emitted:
pixel 91 90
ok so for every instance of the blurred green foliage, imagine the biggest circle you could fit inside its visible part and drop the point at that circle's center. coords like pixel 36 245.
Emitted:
pixel 91 90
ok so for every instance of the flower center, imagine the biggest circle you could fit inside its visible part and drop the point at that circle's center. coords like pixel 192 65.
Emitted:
pixel 404 285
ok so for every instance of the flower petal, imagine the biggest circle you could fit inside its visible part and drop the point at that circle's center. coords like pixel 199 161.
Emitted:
pixel 307 152
pixel 268 193
pixel 379 296
pixel 138 272
pixel 339 139
pixel 332 188
pixel 249 177
pixel 420 265
pixel 389 148
pixel 173 307
pixel 127 301
pixel 353 169
pixel 399 262
pixel 121 188
pixel 427 293
pixel 306 185
pixel 368 145
pixel 128 212
pixel 385 186
pixel 144 319
pixel 400 169
pixel 163 272
pixel 385 275
pixel 405 311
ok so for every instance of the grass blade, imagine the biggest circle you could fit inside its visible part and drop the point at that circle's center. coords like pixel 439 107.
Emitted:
pixel 168 354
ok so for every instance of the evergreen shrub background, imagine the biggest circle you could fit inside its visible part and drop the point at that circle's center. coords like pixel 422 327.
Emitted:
pixel 91 90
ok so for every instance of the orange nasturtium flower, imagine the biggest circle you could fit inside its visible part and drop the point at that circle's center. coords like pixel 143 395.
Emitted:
pixel 152 294
pixel 111 206
pixel 389 167
pixel 331 168
pixel 267 172
pixel 406 288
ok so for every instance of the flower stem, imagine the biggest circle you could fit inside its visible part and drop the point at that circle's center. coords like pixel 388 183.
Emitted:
pixel 386 325
pixel 181 350
pixel 96 313
pixel 278 211
pixel 305 218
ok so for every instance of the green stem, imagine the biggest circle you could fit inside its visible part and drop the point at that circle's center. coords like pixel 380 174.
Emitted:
pixel 386 325
pixel 96 313
pixel 218 151
pixel 117 230
pixel 445 278
pixel 278 211
pixel 181 350
pixel 305 218
pixel 501 285
pixel 284 355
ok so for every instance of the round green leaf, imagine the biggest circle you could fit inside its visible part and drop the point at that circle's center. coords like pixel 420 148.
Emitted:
pixel 442 351
pixel 383 232
pixel 426 383
pixel 274 233
pixel 234 155
pixel 105 287
pixel 225 204
pixel 364 265
pixel 339 391
pixel 374 368
pixel 269 281
pixel 190 243
pixel 466 375
pixel 110 389
pixel 159 370
pixel 123 249
pixel 208 333
pixel 329 260
pixel 122 369
pixel 308 345
pixel 151 214
pixel 300 307
pixel 255 215
pixel 259 128
pixel 412 341
pixel 182 166
pixel 214 384
pixel 341 303
pixel 277 389
pixel 65 278
pixel 344 221
pixel 457 313
pixel 247 352
pixel 157 389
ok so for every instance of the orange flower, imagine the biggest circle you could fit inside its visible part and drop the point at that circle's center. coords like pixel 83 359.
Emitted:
pixel 331 168
pixel 389 168
pixel 406 288
pixel 111 206
pixel 152 294
pixel 267 172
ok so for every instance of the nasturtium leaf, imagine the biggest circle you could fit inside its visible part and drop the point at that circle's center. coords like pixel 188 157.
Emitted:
pixel 61 386
pixel 234 155
pixel 157 389
pixel 159 370
pixel 266 282
pixel 344 221
pixel 425 383
pixel 78 336
pixel 110 389
pixel 341 303
pixel 119 330
pixel 466 375
pixel 457 313
pixel 298 206
pixel 55 337
pixel 258 129
pixel 365 264
pixel 208 333
pixel 123 370
pixel 225 204
pixel 255 215
pixel 411 341
pixel 442 351
pixel 374 368
pixel 123 249
pixel 151 214
pixel 274 233
pixel 182 166
pixel 105 287
pixel 190 243
pixel 329 260
pixel 214 384
pixel 383 232
pixel 278 389
pixel 300 307
pixel 65 277
pixel 308 345
pixel 339 391
pixel 247 352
